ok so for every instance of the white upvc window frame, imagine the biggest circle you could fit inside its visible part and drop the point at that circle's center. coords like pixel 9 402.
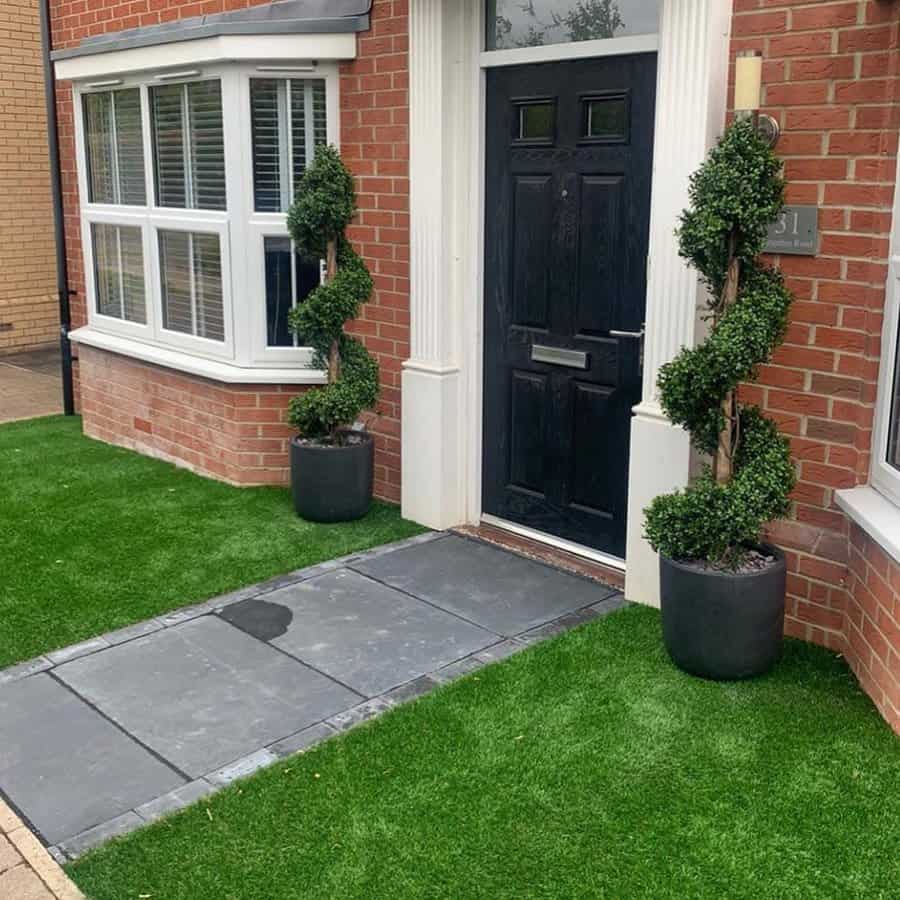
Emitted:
pixel 241 231
pixel 883 476
pixel 261 225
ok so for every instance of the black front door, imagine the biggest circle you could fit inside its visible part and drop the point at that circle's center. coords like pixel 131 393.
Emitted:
pixel 568 163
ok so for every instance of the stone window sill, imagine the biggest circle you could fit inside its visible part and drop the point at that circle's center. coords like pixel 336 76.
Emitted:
pixel 215 370
pixel 875 514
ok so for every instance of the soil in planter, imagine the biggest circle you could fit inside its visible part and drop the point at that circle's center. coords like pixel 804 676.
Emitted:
pixel 750 562
pixel 341 439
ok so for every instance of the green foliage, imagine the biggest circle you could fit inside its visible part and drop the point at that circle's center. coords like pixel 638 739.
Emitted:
pixel 325 205
pixel 739 191
pixel 735 195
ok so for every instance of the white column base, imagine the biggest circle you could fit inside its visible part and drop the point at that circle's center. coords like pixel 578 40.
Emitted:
pixel 660 462
pixel 433 490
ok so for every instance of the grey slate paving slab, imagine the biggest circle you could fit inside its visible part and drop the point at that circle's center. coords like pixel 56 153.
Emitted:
pixel 24 669
pixel 65 766
pixel 100 834
pixel 174 800
pixel 360 632
pixel 203 693
pixel 303 740
pixel 498 590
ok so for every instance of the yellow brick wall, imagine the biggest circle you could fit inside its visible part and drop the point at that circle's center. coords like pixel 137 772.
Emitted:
pixel 28 307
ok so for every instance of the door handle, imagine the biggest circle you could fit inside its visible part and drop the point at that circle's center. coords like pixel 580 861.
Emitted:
pixel 637 335
pixel 634 336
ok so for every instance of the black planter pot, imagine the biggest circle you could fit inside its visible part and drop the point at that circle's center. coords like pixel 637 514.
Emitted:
pixel 723 625
pixel 333 482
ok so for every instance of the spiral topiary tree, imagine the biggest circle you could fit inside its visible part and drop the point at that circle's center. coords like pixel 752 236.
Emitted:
pixel 734 196
pixel 317 220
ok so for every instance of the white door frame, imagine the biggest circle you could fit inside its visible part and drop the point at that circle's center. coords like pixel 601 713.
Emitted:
pixel 442 380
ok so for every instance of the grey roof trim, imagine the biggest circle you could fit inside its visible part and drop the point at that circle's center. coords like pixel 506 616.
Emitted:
pixel 279 17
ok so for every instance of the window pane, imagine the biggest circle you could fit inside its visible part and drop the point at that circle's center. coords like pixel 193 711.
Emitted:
pixel 266 125
pixel 514 23
pixel 191 276
pixel 289 280
pixel 188 143
pixel 537 121
pixel 207 142
pixel 607 118
pixel 308 124
pixel 894 432
pixel 119 272
pixel 288 121
pixel 130 147
pixel 115 147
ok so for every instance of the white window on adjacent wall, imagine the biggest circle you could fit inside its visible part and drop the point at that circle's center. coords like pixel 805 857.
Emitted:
pixel 886 444
pixel 186 179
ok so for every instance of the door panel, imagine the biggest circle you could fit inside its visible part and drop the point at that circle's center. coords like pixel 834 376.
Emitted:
pixel 528 419
pixel 569 150
pixel 532 246
pixel 599 288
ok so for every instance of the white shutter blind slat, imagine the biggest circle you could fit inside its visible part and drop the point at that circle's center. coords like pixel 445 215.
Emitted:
pixel 207 142
pixel 264 117
pixel 168 145
pixel 129 148
pixel 208 287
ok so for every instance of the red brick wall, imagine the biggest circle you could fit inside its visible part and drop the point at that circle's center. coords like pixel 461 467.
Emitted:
pixel 873 623
pixel 832 79
pixel 375 144
pixel 232 432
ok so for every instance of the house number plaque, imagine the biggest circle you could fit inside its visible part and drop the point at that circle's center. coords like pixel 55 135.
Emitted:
pixel 796 231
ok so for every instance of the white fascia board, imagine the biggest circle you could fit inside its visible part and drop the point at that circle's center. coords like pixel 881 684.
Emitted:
pixel 214 370
pixel 225 48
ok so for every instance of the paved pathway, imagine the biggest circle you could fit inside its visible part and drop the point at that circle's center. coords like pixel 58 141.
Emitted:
pixel 30 385
pixel 27 872
pixel 100 738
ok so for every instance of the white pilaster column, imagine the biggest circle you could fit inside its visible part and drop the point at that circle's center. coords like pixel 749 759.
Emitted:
pixel 443 93
pixel 690 114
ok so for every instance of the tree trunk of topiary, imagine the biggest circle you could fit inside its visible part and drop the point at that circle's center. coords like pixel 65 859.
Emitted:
pixel 334 355
pixel 724 463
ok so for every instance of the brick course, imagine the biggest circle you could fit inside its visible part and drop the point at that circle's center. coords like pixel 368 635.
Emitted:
pixel 832 79
pixel 28 311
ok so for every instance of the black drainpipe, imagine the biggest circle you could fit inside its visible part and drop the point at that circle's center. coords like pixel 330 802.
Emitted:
pixel 59 225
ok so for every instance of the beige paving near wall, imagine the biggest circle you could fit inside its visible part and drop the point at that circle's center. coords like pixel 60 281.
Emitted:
pixel 27 871
pixel 25 394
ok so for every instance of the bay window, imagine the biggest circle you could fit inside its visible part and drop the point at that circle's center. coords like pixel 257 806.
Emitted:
pixel 186 178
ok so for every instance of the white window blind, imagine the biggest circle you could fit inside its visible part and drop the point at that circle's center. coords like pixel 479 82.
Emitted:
pixel 115 147
pixel 191 277
pixel 119 272
pixel 288 121
pixel 189 145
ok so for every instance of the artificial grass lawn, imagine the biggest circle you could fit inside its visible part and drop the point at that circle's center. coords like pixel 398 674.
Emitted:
pixel 587 766
pixel 93 537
